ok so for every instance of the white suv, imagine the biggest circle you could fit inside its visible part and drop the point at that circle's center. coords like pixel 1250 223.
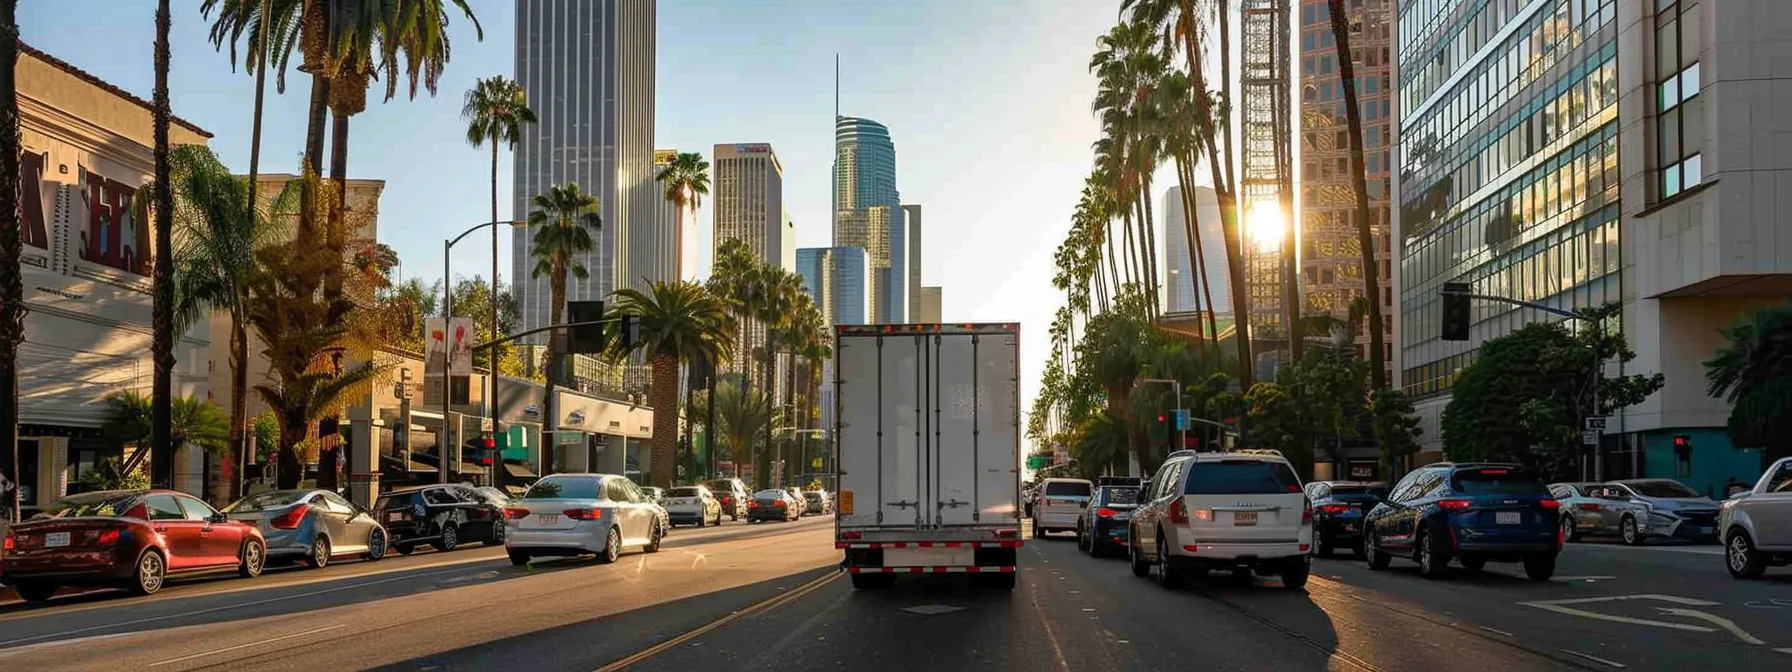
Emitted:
pixel 1757 525
pixel 1205 511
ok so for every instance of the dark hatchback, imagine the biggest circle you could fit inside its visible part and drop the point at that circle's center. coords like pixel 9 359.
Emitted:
pixel 1103 527
pixel 1338 510
pixel 442 516
pixel 1474 513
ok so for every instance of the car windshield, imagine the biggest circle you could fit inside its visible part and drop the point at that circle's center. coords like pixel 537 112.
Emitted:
pixel 1067 489
pixel 1665 489
pixel 563 488
pixel 95 504
pixel 684 492
pixel 267 500
pixel 1241 477
pixel 770 494
pixel 1497 482
pixel 812 496
pixel 1352 493
pixel 1122 496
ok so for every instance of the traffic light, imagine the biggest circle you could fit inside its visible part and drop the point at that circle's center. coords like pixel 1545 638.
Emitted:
pixel 1682 447
pixel 1160 430
pixel 1456 313
pixel 587 340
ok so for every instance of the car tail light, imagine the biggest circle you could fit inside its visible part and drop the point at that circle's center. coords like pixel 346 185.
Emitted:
pixel 1494 472
pixel 1105 512
pixel 1336 508
pixel 7 543
pixel 727 500
pixel 110 537
pixel 779 503
pixel 583 514
pixel 1455 504
pixel 753 504
pixel 1178 512
pixel 292 517
pixel 1550 504
pixel 1589 506
pixel 1306 513
pixel 516 514
pixel 1204 514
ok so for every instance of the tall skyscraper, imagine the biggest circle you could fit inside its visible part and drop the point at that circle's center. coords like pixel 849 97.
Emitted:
pixel 747 201
pixel 588 69
pixel 927 305
pixel 868 211
pixel 911 217
pixel 656 248
pixel 1331 254
pixel 1180 290
pixel 836 278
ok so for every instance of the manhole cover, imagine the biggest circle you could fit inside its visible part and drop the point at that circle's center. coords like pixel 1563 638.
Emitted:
pixel 932 609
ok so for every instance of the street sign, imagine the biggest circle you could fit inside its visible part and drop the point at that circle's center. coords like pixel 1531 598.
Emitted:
pixel 1181 419
pixel 1590 437
pixel 1595 423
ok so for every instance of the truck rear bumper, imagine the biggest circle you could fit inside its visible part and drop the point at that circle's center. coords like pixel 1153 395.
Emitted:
pixel 995 569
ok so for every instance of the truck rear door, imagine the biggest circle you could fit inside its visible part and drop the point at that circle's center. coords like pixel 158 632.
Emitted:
pixel 879 414
pixel 970 427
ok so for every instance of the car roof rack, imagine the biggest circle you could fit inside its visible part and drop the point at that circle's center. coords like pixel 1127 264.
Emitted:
pixel 1268 452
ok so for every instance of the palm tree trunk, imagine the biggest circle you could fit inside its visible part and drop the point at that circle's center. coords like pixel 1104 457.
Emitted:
pixel 665 419
pixel 556 310
pixel 12 251
pixel 1200 263
pixel 491 357
pixel 1134 269
pixel 1223 186
pixel 239 355
pixel 1150 240
pixel 162 439
pixel 1191 223
pixel 1359 182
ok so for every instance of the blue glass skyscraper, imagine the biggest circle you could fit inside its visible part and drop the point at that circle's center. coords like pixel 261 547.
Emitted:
pixel 868 211
pixel 835 278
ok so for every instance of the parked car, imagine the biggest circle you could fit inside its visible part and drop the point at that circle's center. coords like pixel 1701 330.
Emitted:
pixel 817 502
pixel 802 504
pixel 1242 510
pixel 578 514
pixel 1338 508
pixel 312 526
pixel 130 539
pixel 1102 527
pixel 1675 511
pixel 733 495
pixel 655 495
pixel 1060 505
pixel 1757 524
pixel 442 516
pixel 1595 509
pixel 493 495
pixel 692 504
pixel 1472 512
pixel 773 504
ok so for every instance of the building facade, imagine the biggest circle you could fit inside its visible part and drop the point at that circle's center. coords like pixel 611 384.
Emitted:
pixel 911 218
pixel 1180 274
pixel 747 203
pixel 660 252
pixel 927 305
pixel 868 211
pixel 87 263
pixel 588 69
pixel 1331 263
pixel 838 280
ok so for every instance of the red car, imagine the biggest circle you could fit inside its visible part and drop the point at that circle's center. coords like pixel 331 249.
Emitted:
pixel 123 538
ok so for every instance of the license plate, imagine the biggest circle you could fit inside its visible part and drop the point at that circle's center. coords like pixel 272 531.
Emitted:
pixel 1507 517
pixel 394 516
pixel 1350 527
pixel 56 540
pixel 547 518
pixel 1244 518
pixel 1704 530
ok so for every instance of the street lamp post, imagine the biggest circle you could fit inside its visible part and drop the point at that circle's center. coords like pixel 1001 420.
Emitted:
pixel 491 399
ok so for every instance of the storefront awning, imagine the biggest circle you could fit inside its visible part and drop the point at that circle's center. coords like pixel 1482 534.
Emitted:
pixel 518 471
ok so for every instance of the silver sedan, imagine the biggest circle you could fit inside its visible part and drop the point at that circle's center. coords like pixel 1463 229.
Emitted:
pixel 1595 509
pixel 582 514
pixel 312 526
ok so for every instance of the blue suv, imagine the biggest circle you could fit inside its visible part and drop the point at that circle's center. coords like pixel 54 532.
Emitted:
pixel 1470 512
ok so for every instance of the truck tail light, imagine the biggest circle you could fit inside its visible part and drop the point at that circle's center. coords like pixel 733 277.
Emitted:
pixel 855 536
pixel 292 517
pixel 1178 512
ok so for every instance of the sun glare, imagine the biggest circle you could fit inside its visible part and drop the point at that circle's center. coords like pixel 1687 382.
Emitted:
pixel 1265 226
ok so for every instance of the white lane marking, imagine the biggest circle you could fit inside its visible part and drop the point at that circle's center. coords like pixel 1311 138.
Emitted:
pixel 228 649
pixel 1595 659
pixel 1560 607
pixel 1588 579
pixel 238 605
pixel 1719 621
pixel 1498 632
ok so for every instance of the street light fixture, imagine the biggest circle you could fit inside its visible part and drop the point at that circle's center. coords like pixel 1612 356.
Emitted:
pixel 491 400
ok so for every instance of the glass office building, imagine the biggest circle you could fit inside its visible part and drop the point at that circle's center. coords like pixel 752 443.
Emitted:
pixel 836 278
pixel 868 211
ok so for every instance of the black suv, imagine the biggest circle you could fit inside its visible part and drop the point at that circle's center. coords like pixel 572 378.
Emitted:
pixel 1473 513
pixel 442 516
pixel 1338 508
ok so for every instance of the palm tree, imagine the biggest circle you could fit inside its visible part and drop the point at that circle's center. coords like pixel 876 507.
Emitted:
pixel 734 277
pixel 1754 373
pixel 680 322
pixel 687 182
pixel 741 415
pixel 563 220
pixel 1176 127
pixel 495 111
pixel 776 304
pixel 193 422
pixel 219 235
pixel 1359 182
pixel 12 246
pixel 162 344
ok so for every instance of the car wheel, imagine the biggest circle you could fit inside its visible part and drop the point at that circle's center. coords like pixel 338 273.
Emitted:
pixel 497 537
pixel 319 557
pixel 612 547
pixel 450 538
pixel 1741 558
pixel 653 540
pixel 518 558
pixel 1432 562
pixel 148 576
pixel 35 592
pixel 1628 529
pixel 1082 540
pixel 1472 564
pixel 1167 576
pixel 1139 566
pixel 404 549
pixel 376 545
pixel 1295 571
pixel 1568 530
pixel 1373 555
pixel 1540 567
pixel 254 557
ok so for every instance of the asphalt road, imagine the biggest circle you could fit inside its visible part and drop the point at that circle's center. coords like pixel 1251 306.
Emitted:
pixel 768 596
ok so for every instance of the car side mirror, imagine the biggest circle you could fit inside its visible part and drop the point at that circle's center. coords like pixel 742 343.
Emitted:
pixel 220 517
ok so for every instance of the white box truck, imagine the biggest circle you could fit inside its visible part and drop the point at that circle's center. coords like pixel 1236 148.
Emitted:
pixel 927 451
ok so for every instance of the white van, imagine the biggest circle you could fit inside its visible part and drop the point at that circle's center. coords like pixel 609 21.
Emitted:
pixel 1061 503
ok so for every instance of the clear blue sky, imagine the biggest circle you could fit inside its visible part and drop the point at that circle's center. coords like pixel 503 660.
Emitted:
pixel 988 102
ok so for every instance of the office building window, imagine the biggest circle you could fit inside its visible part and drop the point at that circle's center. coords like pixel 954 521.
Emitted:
pixel 1679 110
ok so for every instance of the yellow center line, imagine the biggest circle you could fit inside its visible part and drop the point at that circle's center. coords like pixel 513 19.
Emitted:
pixel 763 606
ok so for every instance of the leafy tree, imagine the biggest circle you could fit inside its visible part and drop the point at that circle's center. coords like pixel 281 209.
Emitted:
pixel 1754 373
pixel 1328 384
pixel 1396 429
pixel 193 422
pixel 403 309
pixel 1275 422
pixel 741 416
pixel 1519 400
pixel 1101 444
pixel 563 219
pixel 267 435
pixel 687 181
pixel 110 474
pixel 680 322
pixel 473 297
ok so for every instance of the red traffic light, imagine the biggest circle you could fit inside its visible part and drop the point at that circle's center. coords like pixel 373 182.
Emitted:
pixel 1682 441
pixel 1160 418
pixel 489 443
